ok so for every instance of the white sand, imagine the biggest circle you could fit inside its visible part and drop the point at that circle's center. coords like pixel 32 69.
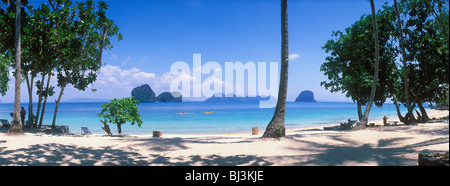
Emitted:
pixel 390 145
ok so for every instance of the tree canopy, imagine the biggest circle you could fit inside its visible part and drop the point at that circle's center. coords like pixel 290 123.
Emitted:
pixel 121 111
pixel 59 37
pixel 351 56
pixel 350 66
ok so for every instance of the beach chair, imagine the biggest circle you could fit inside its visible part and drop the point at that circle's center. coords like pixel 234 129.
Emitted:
pixel 348 125
pixel 85 130
pixel 4 123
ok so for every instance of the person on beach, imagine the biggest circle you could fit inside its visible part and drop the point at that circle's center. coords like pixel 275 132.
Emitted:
pixel 23 113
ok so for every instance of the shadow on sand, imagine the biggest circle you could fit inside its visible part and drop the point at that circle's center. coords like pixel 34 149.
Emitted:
pixel 382 154
pixel 153 151
pixel 70 155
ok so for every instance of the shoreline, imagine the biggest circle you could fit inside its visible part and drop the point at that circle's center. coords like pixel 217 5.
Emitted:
pixel 306 146
pixel 432 113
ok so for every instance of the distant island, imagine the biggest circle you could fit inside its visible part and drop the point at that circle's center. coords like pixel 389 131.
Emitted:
pixel 169 97
pixel 306 96
pixel 144 93
pixel 234 98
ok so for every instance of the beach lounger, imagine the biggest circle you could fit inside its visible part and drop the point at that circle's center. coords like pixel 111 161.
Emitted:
pixel 347 125
pixel 4 123
pixel 85 130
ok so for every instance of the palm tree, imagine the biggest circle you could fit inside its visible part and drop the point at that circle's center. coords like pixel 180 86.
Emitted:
pixel 276 128
pixel 363 121
pixel 16 128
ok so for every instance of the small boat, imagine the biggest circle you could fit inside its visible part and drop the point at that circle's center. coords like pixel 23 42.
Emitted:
pixel 182 113
pixel 208 112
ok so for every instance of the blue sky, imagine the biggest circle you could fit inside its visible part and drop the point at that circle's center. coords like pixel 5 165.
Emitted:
pixel 158 33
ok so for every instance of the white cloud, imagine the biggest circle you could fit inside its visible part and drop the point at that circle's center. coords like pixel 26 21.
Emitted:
pixel 114 76
pixel 295 56
pixel 116 82
pixel 112 82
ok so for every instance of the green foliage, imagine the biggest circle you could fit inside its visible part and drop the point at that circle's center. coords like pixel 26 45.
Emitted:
pixel 7 38
pixel 82 34
pixel 62 36
pixel 120 111
pixel 4 76
pixel 81 40
pixel 425 27
pixel 426 33
pixel 45 92
pixel 350 66
pixel 443 98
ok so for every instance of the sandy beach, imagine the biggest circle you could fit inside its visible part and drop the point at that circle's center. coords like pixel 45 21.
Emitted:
pixel 378 146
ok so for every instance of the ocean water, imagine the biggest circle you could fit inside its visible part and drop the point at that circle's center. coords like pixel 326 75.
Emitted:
pixel 227 117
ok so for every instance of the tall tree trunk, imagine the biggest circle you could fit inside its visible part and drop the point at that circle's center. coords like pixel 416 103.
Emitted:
pixel 405 71
pixel 57 105
pixel 102 43
pixel 16 128
pixel 40 98
pixel 363 122
pixel 45 101
pixel 276 128
pixel 425 117
pixel 30 99
pixel 119 129
pixel 399 114
pixel 360 116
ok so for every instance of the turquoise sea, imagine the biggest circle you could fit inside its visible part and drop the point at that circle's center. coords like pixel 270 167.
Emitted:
pixel 227 117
